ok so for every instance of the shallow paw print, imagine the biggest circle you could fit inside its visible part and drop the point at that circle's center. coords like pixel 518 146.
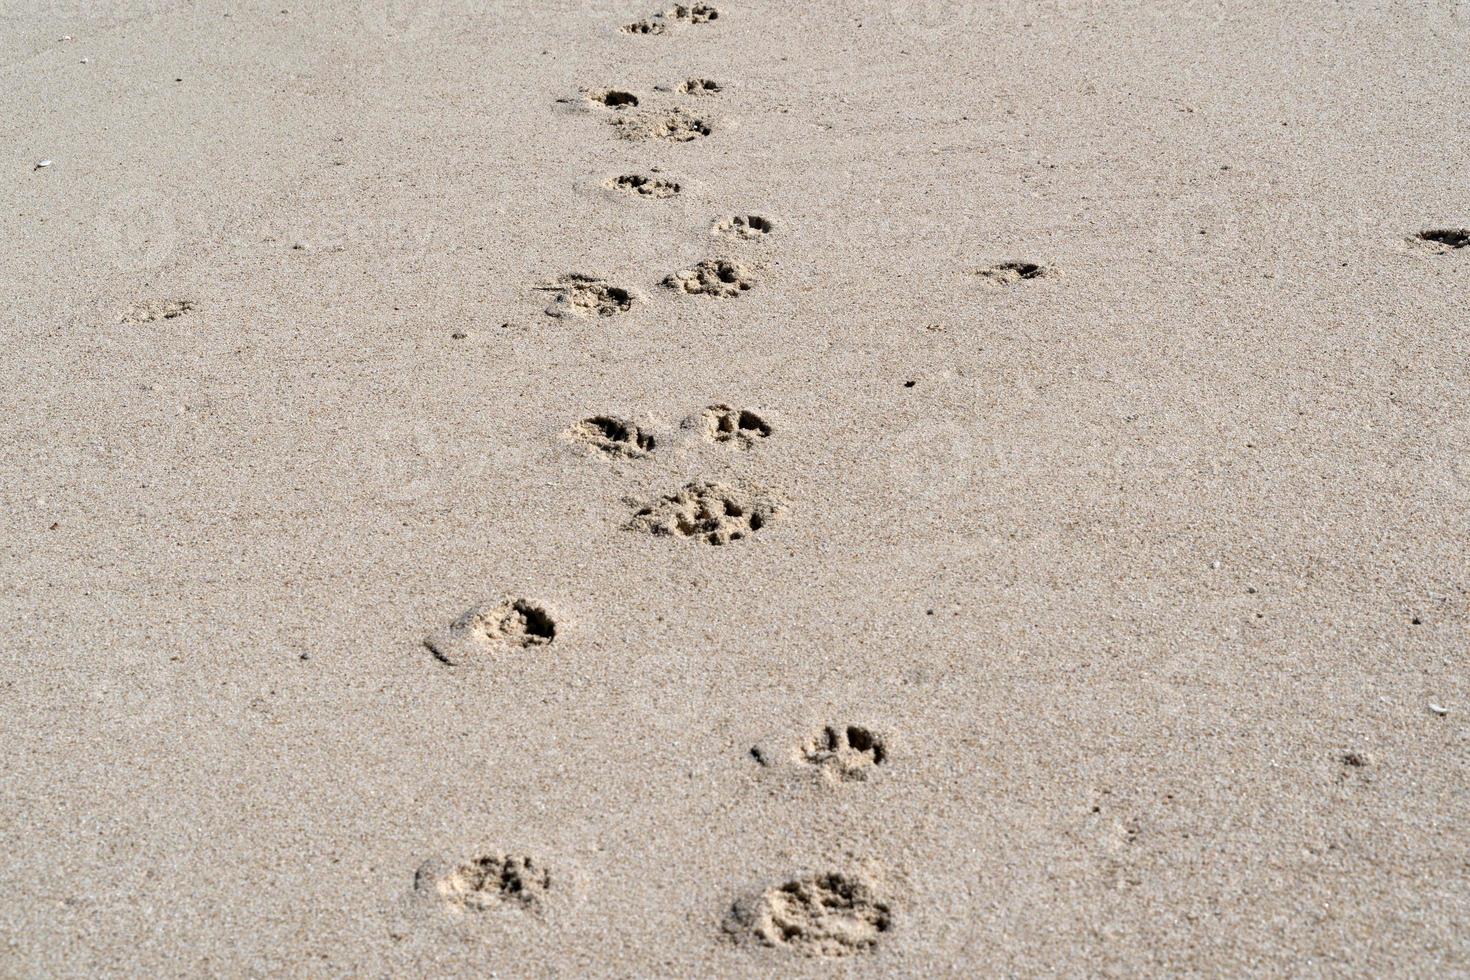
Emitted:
pixel 487 882
pixel 846 753
pixel 613 436
pixel 136 690
pixel 738 427
pixel 401 20
pixel 411 463
pixel 931 465
pixel 747 227
pixel 713 513
pixel 826 916
pixel 138 230
pixel 932 19
pixel 700 86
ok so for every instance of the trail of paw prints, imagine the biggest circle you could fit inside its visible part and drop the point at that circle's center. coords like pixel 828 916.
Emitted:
pixel 708 512
pixel 578 294
pixel 673 18
pixel 828 915
pixel 490 630
pixel 486 882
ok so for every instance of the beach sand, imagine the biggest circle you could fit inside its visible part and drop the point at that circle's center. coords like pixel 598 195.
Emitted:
pixel 888 489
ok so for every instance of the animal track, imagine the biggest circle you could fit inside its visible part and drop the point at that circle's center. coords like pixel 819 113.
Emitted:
pixel 721 423
pixel 699 13
pixel 487 628
pixel 1007 273
pixel 483 883
pixel 709 512
pixel 613 98
pixel 642 186
pixel 674 125
pixel 1445 239
pixel 827 915
pixel 700 86
pixel 719 278
pixel 159 309
pixel 614 436
pixel 745 226
pixel 847 754
pixel 581 295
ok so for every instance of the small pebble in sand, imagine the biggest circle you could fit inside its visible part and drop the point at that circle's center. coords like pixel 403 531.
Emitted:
pixel 42 164
pixel 1438 708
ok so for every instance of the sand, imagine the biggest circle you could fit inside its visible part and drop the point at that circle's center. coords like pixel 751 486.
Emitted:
pixel 906 489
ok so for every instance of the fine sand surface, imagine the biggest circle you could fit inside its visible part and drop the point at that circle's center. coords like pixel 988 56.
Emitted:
pixel 1033 539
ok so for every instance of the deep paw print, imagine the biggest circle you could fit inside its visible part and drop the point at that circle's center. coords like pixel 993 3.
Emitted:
pixel 672 125
pixel 576 294
pixel 700 86
pixel 492 628
pixel 151 311
pixel 487 882
pixel 664 21
pixel 647 187
pixel 710 512
pixel 739 426
pixel 1444 239
pixel 614 436
pixel 746 226
pixel 847 753
pixel 612 98
pixel 716 278
pixel 1009 273
pixel 824 915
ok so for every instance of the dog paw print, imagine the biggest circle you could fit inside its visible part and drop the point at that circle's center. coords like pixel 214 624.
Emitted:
pixel 744 226
pixel 846 753
pixel 151 311
pixel 680 14
pixel 638 185
pixel 1444 240
pixel 612 98
pixel 576 294
pixel 710 512
pixel 491 628
pixel 700 86
pixel 824 915
pixel 671 125
pixel 716 278
pixel 487 882
pixel 614 436
pixel 1009 273
pixel 739 426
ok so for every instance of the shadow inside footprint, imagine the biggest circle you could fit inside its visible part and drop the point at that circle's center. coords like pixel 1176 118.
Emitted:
pixel 1446 239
